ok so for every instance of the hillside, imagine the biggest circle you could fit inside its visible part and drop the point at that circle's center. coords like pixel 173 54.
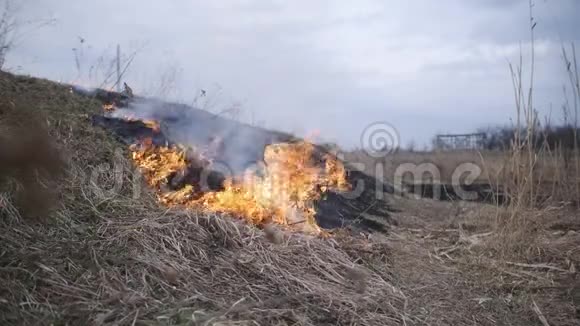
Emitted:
pixel 72 252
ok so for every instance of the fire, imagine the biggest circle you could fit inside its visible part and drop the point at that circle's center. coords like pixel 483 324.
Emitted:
pixel 109 107
pixel 283 190
pixel 158 163
pixel 154 125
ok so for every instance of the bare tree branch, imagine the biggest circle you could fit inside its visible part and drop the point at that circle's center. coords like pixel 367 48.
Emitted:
pixel 12 30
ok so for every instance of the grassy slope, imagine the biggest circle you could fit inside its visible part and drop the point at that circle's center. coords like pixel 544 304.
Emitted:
pixel 121 260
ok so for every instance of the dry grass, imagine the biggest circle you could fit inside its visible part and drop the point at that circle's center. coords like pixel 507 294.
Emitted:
pixel 177 268
pixel 105 258
pixel 553 168
pixel 120 260
pixel 451 252
pixel 491 163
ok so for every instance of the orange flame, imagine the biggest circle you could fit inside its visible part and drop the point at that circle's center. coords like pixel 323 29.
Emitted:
pixel 109 107
pixel 157 163
pixel 152 124
pixel 284 192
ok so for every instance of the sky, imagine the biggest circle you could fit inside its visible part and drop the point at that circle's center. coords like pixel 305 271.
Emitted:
pixel 329 68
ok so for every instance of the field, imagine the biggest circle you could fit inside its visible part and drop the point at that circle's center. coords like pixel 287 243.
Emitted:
pixel 553 173
pixel 446 162
pixel 126 260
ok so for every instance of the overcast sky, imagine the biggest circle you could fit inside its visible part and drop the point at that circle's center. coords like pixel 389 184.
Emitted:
pixel 329 66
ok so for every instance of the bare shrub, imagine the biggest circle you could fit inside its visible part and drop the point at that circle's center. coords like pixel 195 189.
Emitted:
pixel 8 26
pixel 541 172
pixel 12 29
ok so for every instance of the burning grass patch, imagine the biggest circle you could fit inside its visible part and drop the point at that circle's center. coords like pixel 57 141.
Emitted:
pixel 194 159
pixel 123 260
pixel 282 192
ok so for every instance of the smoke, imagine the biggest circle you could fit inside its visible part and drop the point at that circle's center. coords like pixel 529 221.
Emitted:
pixel 82 90
pixel 233 145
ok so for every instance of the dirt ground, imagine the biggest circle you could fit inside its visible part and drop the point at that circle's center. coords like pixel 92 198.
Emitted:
pixel 451 267
pixel 120 260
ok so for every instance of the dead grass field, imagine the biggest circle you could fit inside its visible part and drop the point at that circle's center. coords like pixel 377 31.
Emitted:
pixel 553 173
pixel 446 162
pixel 127 261
pixel 492 163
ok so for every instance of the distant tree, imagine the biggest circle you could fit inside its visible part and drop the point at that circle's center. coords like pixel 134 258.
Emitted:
pixel 8 26
pixel 12 29
pixel 497 137
pixel 501 137
pixel 411 146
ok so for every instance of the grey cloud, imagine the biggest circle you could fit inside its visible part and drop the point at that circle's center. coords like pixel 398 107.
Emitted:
pixel 336 66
